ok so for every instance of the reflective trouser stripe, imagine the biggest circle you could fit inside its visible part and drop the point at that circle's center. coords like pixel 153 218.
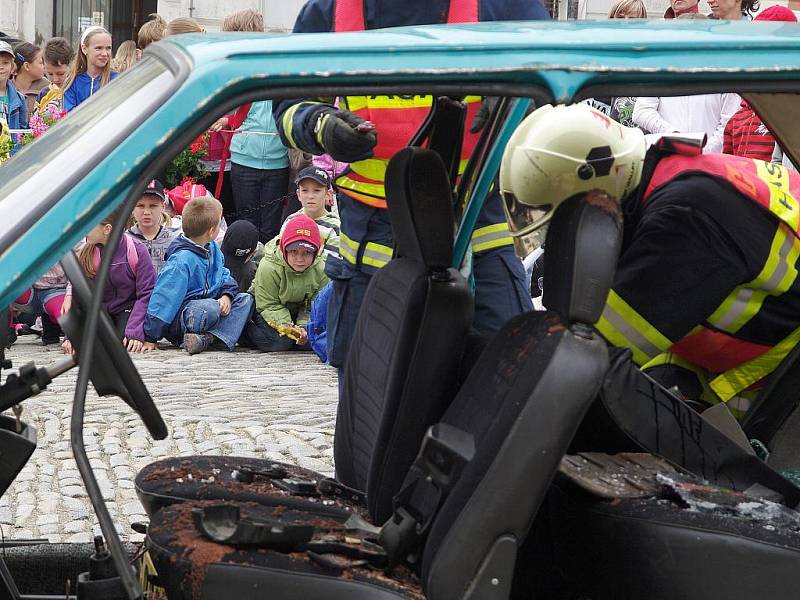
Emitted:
pixel 736 380
pixel 376 255
pixel 622 326
pixel 491 236
pixel 738 404
pixel 348 248
pixel 777 276
pixel 370 189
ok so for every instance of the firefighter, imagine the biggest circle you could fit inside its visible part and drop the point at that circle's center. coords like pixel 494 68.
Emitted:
pixel 345 132
pixel 706 293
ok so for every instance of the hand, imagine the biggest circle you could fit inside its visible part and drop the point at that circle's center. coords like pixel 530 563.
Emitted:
pixel 219 124
pixel 132 345
pixel 66 346
pixel 303 337
pixel 485 111
pixel 66 305
pixel 149 347
pixel 224 306
pixel 336 133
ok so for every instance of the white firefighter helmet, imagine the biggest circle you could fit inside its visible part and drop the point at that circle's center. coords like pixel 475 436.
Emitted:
pixel 559 151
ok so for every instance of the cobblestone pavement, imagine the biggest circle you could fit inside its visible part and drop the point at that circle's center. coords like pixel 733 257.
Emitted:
pixel 279 406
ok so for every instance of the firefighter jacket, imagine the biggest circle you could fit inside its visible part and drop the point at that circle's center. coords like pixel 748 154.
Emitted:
pixel 366 234
pixel 707 277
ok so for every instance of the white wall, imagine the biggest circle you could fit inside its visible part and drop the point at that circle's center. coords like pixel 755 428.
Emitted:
pixel 209 13
pixel 31 20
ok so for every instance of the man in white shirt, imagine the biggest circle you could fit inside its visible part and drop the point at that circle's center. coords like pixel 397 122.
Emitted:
pixel 705 113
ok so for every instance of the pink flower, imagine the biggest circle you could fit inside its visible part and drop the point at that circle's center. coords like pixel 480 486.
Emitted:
pixel 38 126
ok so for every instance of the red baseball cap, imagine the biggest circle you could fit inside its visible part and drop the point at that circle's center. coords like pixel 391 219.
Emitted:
pixel 300 231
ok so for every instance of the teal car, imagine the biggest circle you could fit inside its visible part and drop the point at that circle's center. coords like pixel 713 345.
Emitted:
pixel 659 504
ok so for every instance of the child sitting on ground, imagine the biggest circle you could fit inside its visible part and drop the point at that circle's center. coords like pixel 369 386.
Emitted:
pixel 44 300
pixel 153 225
pixel 196 302
pixel 238 247
pixel 288 277
pixel 313 189
pixel 130 283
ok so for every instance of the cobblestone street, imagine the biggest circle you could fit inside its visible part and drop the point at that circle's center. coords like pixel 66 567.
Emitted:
pixel 279 406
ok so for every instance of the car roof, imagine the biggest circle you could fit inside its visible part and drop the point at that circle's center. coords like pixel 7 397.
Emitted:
pixel 667 45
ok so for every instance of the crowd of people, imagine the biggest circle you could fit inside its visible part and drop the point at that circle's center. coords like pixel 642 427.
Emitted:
pixel 181 272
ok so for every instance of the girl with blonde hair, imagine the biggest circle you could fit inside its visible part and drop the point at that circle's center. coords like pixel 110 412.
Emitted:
pixel 91 69
pixel 627 9
pixel 125 57
pixel 183 25
pixel 244 20
pixel 151 32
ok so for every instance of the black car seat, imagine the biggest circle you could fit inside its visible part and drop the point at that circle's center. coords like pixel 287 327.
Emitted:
pixel 475 486
pixel 713 522
pixel 401 374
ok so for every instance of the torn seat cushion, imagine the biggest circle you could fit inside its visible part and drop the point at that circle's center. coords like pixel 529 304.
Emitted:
pixel 173 480
pixel 185 559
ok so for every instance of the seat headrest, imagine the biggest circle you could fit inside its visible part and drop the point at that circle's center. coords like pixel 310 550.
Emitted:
pixel 420 203
pixel 581 251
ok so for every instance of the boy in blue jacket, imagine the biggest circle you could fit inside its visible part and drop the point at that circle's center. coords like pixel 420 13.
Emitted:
pixel 196 302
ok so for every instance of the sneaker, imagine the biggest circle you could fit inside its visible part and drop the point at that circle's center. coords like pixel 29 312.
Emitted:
pixel 195 343
pixel 51 332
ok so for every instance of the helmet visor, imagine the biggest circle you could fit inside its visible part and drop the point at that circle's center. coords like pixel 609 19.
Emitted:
pixel 524 218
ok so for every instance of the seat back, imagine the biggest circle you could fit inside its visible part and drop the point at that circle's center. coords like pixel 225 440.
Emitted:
pixel 521 404
pixel 402 367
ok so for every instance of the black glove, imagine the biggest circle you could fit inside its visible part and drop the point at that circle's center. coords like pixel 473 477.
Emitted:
pixel 336 132
pixel 488 105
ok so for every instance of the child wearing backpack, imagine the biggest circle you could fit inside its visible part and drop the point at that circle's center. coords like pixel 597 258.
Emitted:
pixel 129 286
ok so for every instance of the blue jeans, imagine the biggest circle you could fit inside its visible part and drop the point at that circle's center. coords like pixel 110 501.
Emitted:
pixel 259 335
pixel 203 316
pixel 258 197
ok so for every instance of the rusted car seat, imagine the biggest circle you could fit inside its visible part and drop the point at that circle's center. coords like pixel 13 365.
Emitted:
pixel 473 490
pixel 401 374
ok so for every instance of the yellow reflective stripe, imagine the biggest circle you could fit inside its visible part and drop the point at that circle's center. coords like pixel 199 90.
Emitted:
pixel 348 248
pixel 372 168
pixel 781 202
pixel 376 255
pixel 622 326
pixel 491 236
pixel 729 384
pixel 355 103
pixel 371 189
pixel 777 276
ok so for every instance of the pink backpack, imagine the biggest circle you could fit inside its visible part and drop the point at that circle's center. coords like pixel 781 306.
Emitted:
pixel 130 250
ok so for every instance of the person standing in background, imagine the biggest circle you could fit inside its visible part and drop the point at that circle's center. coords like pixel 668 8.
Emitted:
pixel 91 69
pixel 126 56
pixel 58 56
pixel 30 78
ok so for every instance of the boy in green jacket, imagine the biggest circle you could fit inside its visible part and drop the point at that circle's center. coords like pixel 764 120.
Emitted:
pixel 288 277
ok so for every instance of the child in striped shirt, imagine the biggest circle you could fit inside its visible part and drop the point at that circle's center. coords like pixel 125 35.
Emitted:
pixel 313 191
